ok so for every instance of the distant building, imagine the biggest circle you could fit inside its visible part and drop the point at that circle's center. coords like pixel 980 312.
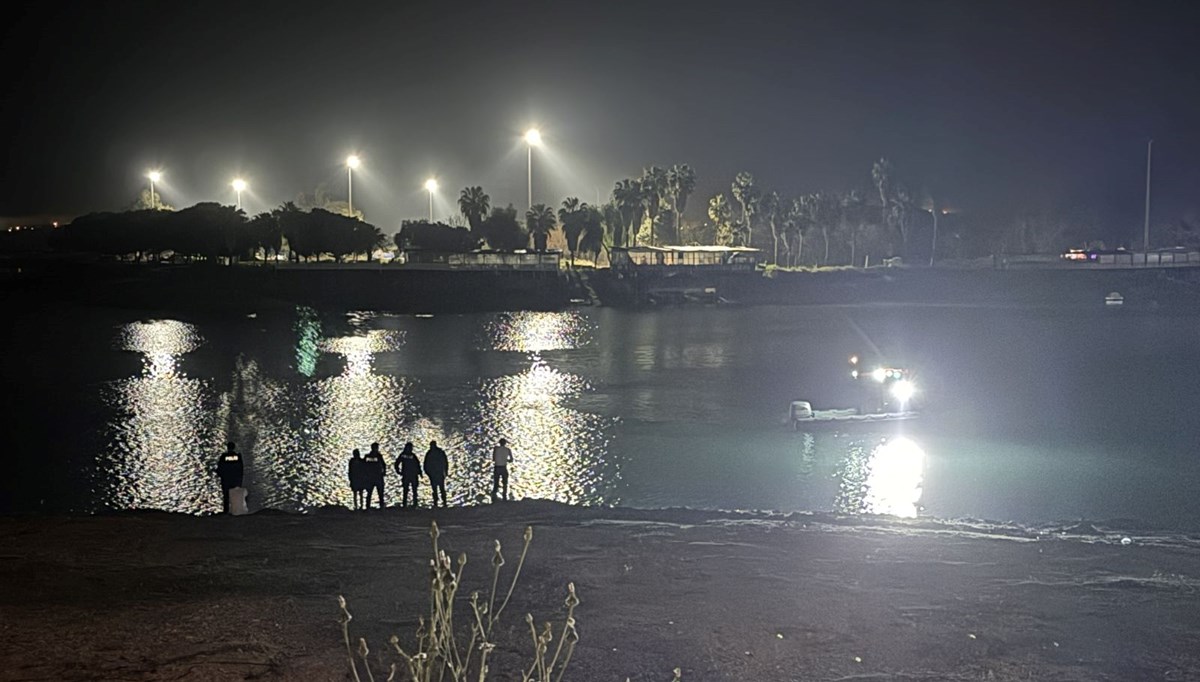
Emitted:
pixel 705 258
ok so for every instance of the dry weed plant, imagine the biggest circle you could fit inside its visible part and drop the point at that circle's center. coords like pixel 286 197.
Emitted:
pixel 440 654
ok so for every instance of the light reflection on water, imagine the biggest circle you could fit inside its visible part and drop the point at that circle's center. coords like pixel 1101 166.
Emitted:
pixel 559 452
pixel 535 332
pixel 305 441
pixel 303 432
pixel 297 431
pixel 159 447
pixel 882 478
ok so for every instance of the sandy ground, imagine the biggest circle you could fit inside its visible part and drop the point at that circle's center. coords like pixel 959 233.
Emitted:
pixel 723 596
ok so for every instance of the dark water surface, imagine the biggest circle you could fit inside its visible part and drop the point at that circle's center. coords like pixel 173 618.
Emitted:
pixel 1029 415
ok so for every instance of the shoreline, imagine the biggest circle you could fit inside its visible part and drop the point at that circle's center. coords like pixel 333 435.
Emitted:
pixel 245 289
pixel 722 595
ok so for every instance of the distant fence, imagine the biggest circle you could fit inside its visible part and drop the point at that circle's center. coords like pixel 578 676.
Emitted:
pixel 1105 260
pixel 438 260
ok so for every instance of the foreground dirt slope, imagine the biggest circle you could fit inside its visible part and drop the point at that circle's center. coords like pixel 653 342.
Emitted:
pixel 153 596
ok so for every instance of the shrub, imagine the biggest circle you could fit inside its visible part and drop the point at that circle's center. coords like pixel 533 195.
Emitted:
pixel 440 653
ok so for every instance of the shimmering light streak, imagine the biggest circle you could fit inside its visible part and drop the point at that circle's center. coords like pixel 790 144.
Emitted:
pixel 559 451
pixel 168 429
pixel 310 447
pixel 534 332
pixel 308 340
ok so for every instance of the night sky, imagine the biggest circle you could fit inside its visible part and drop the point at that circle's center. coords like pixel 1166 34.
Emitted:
pixel 992 105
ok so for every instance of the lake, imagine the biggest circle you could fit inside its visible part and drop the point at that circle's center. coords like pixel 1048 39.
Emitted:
pixel 1028 415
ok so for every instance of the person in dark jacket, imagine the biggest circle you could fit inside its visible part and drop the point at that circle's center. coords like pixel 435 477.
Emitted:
pixel 373 471
pixel 229 470
pixel 436 468
pixel 357 484
pixel 409 468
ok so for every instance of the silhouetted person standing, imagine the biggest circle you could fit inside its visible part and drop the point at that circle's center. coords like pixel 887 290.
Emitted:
pixel 229 470
pixel 501 456
pixel 374 469
pixel 436 468
pixel 357 483
pixel 409 468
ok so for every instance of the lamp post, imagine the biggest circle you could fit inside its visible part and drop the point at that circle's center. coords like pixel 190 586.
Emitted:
pixel 533 138
pixel 352 162
pixel 238 185
pixel 1146 225
pixel 431 186
pixel 154 177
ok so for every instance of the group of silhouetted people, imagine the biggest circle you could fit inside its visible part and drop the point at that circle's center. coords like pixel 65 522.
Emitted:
pixel 368 472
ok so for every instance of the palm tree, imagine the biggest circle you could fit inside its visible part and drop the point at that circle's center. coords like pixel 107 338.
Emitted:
pixel 772 209
pixel 654 187
pixel 747 195
pixel 853 214
pixel 881 174
pixel 539 221
pixel 614 226
pixel 794 222
pixel 721 216
pixel 474 204
pixel 592 240
pixel 575 217
pixel 627 195
pixel 822 211
pixel 934 209
pixel 681 182
pixel 901 215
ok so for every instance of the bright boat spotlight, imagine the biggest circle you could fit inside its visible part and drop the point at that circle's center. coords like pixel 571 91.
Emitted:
pixel 533 137
pixel 903 390
pixel 352 161
pixel 239 185
pixel 431 185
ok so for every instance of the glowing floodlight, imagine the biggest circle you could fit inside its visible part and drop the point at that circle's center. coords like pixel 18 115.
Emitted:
pixel 239 185
pixel 533 137
pixel 352 162
pixel 154 176
pixel 431 186
pixel 903 390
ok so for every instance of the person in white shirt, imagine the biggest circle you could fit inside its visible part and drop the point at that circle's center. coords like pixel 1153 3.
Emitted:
pixel 501 456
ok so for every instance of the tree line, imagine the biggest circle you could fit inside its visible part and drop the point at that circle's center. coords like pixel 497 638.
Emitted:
pixel 211 231
pixel 857 227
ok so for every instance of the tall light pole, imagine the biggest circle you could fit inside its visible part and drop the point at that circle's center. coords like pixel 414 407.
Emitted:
pixel 1146 226
pixel 154 177
pixel 352 162
pixel 238 185
pixel 533 138
pixel 431 186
